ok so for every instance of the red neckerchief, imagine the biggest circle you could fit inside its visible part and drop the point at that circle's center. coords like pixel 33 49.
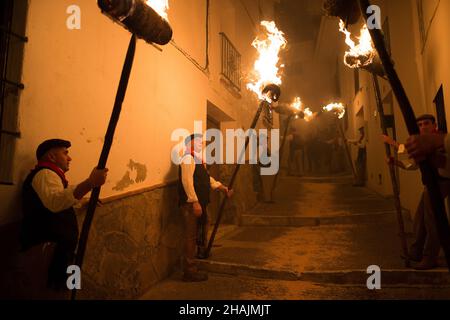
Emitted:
pixel 55 168
pixel 194 155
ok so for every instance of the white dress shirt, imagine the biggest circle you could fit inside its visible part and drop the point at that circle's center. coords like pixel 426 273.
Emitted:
pixel 187 178
pixel 50 190
pixel 360 144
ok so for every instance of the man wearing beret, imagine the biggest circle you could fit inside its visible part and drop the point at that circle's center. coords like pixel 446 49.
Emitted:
pixel 426 245
pixel 194 187
pixel 48 200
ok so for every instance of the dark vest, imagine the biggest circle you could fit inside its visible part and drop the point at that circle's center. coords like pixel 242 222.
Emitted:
pixel 202 186
pixel 41 225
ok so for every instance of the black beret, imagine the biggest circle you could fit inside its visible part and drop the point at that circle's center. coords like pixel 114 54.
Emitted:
pixel 47 145
pixel 193 137
pixel 426 117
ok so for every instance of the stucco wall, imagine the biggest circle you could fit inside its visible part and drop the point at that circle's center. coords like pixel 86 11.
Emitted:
pixel 71 78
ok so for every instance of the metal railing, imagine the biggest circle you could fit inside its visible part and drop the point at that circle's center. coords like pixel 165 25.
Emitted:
pixel 231 62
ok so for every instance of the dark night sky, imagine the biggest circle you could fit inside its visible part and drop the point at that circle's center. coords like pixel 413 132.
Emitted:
pixel 299 19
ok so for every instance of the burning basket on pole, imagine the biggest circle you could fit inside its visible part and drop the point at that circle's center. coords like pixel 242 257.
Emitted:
pixel 144 22
pixel 267 88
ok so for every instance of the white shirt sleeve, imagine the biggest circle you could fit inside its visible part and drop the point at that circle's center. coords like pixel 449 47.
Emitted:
pixel 187 178
pixel 50 190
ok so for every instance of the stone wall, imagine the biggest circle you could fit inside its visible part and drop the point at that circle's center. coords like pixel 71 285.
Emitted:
pixel 137 241
pixel 134 243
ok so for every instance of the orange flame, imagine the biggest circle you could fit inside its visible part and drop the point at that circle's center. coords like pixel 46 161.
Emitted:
pixel 161 7
pixel 360 55
pixel 297 104
pixel 338 108
pixel 267 66
pixel 309 115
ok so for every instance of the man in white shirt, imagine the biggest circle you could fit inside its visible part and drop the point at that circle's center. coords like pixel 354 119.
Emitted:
pixel 426 245
pixel 361 159
pixel 194 187
pixel 48 202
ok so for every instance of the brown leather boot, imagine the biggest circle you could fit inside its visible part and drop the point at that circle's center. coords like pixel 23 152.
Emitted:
pixel 427 263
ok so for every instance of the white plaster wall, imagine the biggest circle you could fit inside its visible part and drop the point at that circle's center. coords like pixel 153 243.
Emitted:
pixel 71 78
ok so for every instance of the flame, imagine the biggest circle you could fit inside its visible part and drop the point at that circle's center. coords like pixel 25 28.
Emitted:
pixel 338 108
pixel 267 66
pixel 360 55
pixel 297 104
pixel 309 115
pixel 160 6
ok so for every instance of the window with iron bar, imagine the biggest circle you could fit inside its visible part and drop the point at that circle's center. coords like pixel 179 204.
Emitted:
pixel 231 62
pixel 12 25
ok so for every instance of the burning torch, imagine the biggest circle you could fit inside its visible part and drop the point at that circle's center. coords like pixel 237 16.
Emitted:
pixel 143 21
pixel 365 56
pixel 266 87
pixel 429 173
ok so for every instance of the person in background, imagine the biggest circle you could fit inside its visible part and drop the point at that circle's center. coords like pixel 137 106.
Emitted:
pixel 361 158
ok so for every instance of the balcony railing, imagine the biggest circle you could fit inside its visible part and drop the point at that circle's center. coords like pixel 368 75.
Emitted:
pixel 231 62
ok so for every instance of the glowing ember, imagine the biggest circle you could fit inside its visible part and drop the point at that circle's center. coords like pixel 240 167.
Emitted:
pixel 160 6
pixel 360 55
pixel 267 66
pixel 338 108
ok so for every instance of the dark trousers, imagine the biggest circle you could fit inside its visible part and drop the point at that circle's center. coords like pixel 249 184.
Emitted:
pixel 361 167
pixel 64 233
pixel 61 229
pixel 195 236
pixel 296 161
pixel 426 241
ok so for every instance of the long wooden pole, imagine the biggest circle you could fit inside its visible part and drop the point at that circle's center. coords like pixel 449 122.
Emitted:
pixel 281 152
pixel 395 188
pixel 429 173
pixel 233 179
pixel 120 96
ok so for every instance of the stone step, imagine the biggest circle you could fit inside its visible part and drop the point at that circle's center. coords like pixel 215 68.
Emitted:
pixel 390 277
pixel 300 221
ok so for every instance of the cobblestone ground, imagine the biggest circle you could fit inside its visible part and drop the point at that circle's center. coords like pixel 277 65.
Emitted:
pixel 315 242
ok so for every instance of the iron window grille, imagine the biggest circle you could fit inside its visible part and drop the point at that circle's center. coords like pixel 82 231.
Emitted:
pixel 12 24
pixel 231 62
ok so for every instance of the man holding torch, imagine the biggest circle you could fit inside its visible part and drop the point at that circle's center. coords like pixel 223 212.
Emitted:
pixel 426 246
pixel 48 202
pixel 194 187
